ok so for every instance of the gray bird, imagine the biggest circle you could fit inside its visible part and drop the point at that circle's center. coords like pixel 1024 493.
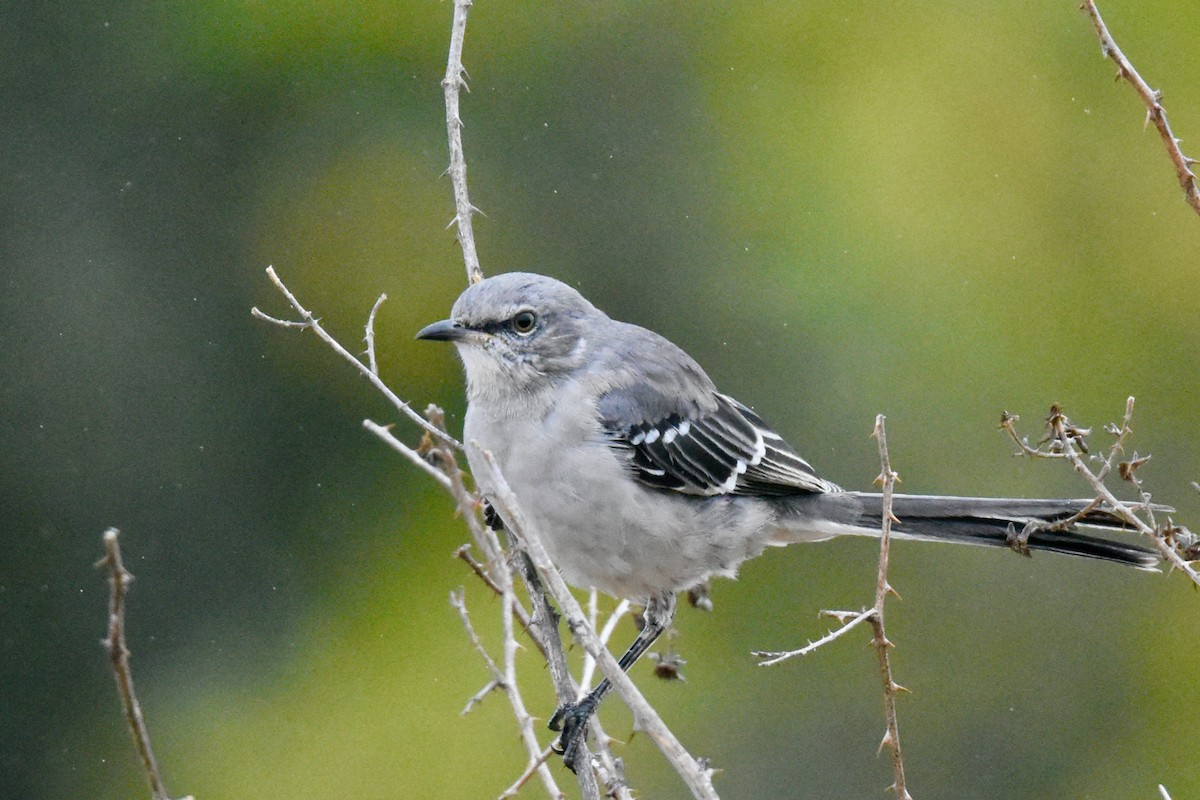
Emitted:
pixel 644 480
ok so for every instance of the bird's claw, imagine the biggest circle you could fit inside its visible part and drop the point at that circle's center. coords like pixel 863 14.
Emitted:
pixel 571 719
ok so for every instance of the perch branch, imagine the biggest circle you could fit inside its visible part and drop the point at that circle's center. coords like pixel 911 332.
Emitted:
pixel 545 620
pixel 696 775
pixel 1154 110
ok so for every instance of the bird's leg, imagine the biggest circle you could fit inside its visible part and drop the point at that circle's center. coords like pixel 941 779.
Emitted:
pixel 572 718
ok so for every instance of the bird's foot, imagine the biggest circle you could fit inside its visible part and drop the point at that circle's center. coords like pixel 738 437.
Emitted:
pixel 571 719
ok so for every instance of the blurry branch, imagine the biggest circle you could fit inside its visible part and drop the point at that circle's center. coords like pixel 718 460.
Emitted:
pixel 451 84
pixel 118 653
pixel 1064 440
pixel 1154 111
pixel 695 774
pixel 875 616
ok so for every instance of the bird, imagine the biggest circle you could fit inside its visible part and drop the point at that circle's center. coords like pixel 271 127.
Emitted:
pixel 644 480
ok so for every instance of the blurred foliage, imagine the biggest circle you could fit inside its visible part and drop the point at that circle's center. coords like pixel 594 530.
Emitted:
pixel 936 211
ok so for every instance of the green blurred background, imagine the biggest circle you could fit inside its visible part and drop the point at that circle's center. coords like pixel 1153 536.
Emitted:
pixel 935 211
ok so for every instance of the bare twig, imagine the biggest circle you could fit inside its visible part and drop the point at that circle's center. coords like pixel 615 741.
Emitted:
pixel 891 738
pixel 464 554
pixel 505 679
pixel 458 603
pixel 1154 111
pixel 384 432
pixel 451 84
pixel 1067 441
pixel 372 363
pixel 308 321
pixel 696 775
pixel 529 772
pixel 773 657
pixel 118 653
pixel 875 616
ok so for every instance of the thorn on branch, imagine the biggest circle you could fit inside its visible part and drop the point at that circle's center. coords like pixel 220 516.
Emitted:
pixel 1151 99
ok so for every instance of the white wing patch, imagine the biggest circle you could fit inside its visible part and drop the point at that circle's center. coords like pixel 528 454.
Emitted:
pixel 729 451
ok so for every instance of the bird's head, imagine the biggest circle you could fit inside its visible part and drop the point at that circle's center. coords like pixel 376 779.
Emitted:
pixel 518 332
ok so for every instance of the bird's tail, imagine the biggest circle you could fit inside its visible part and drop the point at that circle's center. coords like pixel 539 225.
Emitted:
pixel 1023 525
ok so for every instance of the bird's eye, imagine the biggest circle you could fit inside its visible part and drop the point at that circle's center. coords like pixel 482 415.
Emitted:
pixel 524 322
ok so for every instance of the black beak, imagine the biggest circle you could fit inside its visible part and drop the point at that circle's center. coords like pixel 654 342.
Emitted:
pixel 446 330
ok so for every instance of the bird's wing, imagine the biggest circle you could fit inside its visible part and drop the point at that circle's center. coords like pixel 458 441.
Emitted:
pixel 723 449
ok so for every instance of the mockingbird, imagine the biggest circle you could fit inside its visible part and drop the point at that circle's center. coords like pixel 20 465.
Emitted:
pixel 644 480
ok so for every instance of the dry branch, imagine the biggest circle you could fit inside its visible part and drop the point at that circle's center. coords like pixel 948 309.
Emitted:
pixel 695 774
pixel 451 84
pixel 891 738
pixel 875 616
pixel 1154 110
pixel 118 653
pixel 308 321
pixel 1067 441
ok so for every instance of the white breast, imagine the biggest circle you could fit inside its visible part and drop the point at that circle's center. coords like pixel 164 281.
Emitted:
pixel 601 527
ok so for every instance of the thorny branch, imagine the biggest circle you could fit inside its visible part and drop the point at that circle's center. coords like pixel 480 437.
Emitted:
pixel 1154 110
pixel 1065 440
pixel 118 653
pixel 849 621
pixel 504 678
pixel 451 84
pixel 874 615
pixel 891 739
